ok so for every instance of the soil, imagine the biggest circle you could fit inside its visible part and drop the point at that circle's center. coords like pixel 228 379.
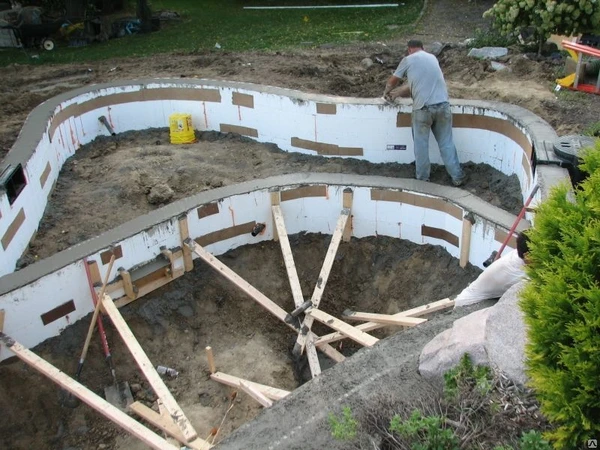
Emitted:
pixel 175 323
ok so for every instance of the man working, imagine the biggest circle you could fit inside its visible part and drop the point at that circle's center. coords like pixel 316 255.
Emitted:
pixel 499 277
pixel 431 110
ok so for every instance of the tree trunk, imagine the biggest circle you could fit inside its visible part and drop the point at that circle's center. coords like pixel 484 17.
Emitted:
pixel 145 15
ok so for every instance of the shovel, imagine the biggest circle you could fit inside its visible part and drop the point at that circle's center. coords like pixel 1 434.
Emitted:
pixel 117 394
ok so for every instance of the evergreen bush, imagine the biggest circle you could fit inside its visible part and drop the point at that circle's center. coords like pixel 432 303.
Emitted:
pixel 562 308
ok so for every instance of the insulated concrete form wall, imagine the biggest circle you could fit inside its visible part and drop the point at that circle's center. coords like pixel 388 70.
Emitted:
pixel 42 299
pixel 223 219
pixel 496 134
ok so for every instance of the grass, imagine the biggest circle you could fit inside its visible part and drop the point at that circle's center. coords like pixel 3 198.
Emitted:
pixel 204 23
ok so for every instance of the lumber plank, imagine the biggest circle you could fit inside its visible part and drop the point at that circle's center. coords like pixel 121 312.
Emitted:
pixel 246 287
pixel 233 381
pixel 109 411
pixel 275 200
pixel 324 275
pixel 147 368
pixel 290 265
pixel 288 258
pixel 164 422
pixel 347 199
pixel 384 319
pixel 255 394
pixel 146 289
pixel 184 233
pixel 332 353
pixel 348 330
pixel 369 326
pixel 127 284
pixel 313 358
pixel 465 242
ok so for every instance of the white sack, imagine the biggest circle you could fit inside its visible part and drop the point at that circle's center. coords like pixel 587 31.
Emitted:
pixel 494 281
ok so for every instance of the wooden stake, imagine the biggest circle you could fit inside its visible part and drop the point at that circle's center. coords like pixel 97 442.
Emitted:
pixel 348 197
pixel 246 287
pixel 275 201
pixel 109 411
pixel 368 326
pixel 94 272
pixel 2 314
pixel 169 255
pixel 127 284
pixel 255 394
pixel 211 360
pixel 148 370
pixel 267 391
pixel 184 233
pixel 384 318
pixel 465 241
pixel 324 275
pixel 348 330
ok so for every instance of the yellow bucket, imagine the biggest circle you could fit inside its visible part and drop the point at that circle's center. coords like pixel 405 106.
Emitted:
pixel 181 129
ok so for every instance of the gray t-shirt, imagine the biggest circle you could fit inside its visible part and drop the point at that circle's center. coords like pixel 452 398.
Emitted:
pixel 425 78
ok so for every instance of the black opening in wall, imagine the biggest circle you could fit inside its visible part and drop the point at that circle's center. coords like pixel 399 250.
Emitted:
pixel 13 181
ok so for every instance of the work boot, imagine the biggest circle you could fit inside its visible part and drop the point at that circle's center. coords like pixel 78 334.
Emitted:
pixel 460 181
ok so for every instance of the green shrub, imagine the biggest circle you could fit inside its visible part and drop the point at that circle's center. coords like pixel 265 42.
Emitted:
pixel 344 427
pixel 467 376
pixel 424 433
pixel 561 304
pixel 533 440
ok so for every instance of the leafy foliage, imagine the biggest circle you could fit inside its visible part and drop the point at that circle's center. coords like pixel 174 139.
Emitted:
pixel 545 16
pixel 562 308
pixel 343 428
pixel 466 376
pixel 425 432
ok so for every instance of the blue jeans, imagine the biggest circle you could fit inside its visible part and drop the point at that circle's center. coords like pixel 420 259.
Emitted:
pixel 438 119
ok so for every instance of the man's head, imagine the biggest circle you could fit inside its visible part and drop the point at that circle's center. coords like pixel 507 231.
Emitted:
pixel 414 45
pixel 522 245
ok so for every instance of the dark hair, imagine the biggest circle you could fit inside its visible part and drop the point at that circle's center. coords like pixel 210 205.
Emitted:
pixel 415 43
pixel 522 244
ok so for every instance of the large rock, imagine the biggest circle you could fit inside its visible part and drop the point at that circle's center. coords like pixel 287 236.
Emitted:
pixel 488 52
pixel 444 351
pixel 506 335
pixel 494 336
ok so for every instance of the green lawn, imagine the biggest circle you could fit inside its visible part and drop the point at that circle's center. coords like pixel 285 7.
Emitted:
pixel 204 23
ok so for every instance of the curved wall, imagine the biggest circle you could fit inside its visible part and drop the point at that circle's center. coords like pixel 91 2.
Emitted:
pixel 40 300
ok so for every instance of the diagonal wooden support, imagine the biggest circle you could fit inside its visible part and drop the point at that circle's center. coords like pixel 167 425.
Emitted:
pixel 109 411
pixel 369 326
pixel 233 381
pixel 288 258
pixel 332 353
pixel 383 318
pixel 147 368
pixel 348 330
pixel 255 394
pixel 258 296
pixel 322 280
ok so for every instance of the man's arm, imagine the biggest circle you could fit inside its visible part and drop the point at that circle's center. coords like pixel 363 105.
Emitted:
pixel 392 82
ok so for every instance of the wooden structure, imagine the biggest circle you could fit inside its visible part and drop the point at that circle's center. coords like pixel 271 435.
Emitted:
pixel 170 419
